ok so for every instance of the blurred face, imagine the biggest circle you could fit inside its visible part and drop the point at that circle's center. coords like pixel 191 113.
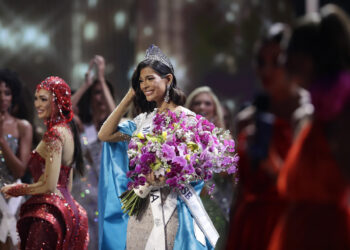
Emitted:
pixel 5 97
pixel 270 70
pixel 98 102
pixel 43 103
pixel 204 105
pixel 153 85
pixel 300 69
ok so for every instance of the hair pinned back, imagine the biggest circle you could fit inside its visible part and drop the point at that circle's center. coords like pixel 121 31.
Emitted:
pixel 161 64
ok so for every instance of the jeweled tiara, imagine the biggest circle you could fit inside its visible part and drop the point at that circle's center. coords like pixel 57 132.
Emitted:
pixel 154 53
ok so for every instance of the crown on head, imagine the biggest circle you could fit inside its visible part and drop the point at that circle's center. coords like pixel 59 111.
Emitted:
pixel 154 53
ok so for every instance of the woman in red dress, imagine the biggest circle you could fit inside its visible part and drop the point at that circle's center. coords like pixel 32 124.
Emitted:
pixel 315 177
pixel 266 131
pixel 51 218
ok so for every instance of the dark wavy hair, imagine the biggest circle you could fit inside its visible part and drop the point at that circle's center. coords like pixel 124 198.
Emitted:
pixel 325 39
pixel 78 153
pixel 277 33
pixel 78 161
pixel 21 98
pixel 12 81
pixel 333 42
pixel 84 103
pixel 140 102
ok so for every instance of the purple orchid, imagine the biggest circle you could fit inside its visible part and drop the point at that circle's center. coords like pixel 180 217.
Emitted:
pixel 168 152
pixel 189 150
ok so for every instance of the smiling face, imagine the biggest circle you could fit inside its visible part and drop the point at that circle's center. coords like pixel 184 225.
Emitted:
pixel 153 85
pixel 204 105
pixel 43 103
pixel 5 97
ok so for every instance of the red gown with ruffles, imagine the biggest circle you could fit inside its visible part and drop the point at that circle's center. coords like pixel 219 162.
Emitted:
pixel 48 220
pixel 259 205
pixel 318 216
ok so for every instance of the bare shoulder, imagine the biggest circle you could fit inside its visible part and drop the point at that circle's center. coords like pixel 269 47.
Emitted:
pixel 63 130
pixel 245 117
pixel 185 110
pixel 246 114
pixel 60 132
pixel 24 126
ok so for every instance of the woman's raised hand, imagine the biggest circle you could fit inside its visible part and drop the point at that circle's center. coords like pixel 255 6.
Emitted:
pixel 89 76
pixel 101 66
pixel 131 92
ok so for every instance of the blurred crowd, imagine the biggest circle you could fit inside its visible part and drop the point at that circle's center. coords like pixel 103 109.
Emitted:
pixel 291 190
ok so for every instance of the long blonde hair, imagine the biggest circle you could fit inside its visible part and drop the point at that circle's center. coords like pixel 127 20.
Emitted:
pixel 218 113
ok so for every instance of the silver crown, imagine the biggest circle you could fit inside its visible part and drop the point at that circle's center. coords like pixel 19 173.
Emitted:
pixel 154 53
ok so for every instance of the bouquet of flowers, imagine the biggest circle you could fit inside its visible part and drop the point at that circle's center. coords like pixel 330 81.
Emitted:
pixel 180 149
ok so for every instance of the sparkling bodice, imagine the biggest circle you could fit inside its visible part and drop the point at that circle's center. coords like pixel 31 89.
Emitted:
pixel 62 214
pixel 36 166
pixel 5 174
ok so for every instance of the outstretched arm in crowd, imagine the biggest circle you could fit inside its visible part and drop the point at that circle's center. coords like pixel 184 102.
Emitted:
pixel 100 64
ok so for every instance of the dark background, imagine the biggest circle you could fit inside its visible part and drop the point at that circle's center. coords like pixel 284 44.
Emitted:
pixel 210 42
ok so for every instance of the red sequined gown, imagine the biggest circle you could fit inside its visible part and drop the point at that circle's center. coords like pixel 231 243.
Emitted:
pixel 47 220
pixel 259 205
pixel 318 216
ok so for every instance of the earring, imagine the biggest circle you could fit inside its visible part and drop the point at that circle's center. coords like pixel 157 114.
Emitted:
pixel 167 97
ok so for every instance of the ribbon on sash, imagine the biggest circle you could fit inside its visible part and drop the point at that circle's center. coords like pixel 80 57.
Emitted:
pixel 194 204
pixel 161 216
pixel 203 226
pixel 8 223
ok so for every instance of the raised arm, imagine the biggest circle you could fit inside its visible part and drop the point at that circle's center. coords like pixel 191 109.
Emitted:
pixel 108 130
pixel 83 88
pixel 51 150
pixel 17 163
pixel 100 63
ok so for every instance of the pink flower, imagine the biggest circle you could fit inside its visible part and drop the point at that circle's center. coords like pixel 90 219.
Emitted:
pixel 193 150
pixel 180 161
pixel 230 144
pixel 168 152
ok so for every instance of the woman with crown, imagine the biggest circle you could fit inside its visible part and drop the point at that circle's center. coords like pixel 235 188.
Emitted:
pixel 166 221
pixel 51 218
